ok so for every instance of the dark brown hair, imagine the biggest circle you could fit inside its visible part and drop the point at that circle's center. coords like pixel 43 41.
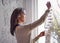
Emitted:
pixel 13 20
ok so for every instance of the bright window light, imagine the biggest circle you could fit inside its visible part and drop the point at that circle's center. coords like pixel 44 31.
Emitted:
pixel 41 9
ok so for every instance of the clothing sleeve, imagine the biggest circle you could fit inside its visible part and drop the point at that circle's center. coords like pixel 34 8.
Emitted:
pixel 38 22
pixel 31 26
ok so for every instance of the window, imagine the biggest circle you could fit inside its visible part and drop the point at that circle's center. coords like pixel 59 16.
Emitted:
pixel 41 9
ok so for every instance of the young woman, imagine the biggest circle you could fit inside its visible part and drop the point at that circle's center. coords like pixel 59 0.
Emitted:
pixel 23 32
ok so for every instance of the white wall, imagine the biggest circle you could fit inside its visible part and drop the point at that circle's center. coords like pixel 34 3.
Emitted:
pixel 6 8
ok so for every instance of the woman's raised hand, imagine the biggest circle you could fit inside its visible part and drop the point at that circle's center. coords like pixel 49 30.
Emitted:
pixel 48 5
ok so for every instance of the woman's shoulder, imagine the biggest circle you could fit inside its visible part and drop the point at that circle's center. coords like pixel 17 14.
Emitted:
pixel 17 28
pixel 21 27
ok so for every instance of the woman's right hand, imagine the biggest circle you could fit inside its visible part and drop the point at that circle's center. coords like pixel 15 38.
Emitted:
pixel 48 5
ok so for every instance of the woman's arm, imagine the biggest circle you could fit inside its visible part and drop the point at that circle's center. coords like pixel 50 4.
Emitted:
pixel 37 37
pixel 39 21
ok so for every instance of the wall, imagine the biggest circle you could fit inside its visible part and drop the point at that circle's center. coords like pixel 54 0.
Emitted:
pixel 6 8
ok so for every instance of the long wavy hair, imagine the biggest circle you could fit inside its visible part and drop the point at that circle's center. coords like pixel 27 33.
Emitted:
pixel 13 20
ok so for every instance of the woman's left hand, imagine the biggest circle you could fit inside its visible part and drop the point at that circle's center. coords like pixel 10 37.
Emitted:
pixel 42 34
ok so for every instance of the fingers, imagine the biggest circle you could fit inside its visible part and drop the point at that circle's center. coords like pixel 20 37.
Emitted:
pixel 42 33
pixel 48 5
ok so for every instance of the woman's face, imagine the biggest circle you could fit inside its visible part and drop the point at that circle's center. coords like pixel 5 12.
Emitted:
pixel 21 17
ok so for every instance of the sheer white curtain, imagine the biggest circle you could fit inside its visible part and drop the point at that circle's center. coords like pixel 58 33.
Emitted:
pixel 34 17
pixel 41 9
